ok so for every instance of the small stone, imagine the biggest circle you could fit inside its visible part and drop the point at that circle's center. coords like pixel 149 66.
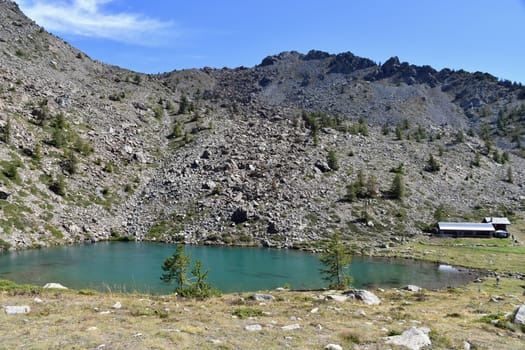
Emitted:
pixel 38 301
pixel 314 310
pixel 291 327
pixel 104 312
pixel 16 310
pixel 91 329
pixel 360 312
pixel 253 327
pixel 466 345
pixel 333 347
pixel 117 305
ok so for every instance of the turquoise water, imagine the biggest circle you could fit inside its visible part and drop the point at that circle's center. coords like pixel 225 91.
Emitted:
pixel 136 267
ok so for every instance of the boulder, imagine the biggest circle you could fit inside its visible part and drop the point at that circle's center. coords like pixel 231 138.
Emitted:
pixel 16 310
pixel 54 286
pixel 209 185
pixel 323 166
pixel 263 297
pixel 367 297
pixel 519 315
pixel 240 215
pixel 413 338
pixel 272 228
pixel 140 105
pixel 412 288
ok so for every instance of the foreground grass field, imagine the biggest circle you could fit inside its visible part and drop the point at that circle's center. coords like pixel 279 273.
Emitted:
pixel 86 320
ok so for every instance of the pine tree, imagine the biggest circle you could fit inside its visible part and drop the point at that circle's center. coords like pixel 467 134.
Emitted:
pixel 432 164
pixel 332 160
pixel 510 176
pixel 176 267
pixel 200 287
pixel 371 187
pixel 335 259
pixel 37 153
pixel 397 189
pixel 399 132
pixel 7 132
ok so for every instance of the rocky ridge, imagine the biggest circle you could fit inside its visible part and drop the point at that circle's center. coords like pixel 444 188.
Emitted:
pixel 227 156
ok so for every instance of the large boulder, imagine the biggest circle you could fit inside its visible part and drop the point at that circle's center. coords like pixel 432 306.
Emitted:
pixel 367 297
pixel 519 315
pixel 322 166
pixel 413 338
pixel 54 286
pixel 16 310
pixel 240 215
pixel 263 297
pixel 413 288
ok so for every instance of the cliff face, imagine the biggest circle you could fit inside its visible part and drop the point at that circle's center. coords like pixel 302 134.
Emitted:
pixel 246 155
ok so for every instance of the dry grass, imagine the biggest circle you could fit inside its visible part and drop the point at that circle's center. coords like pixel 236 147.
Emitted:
pixel 70 320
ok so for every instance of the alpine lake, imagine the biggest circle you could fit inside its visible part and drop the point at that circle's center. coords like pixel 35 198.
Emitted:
pixel 136 267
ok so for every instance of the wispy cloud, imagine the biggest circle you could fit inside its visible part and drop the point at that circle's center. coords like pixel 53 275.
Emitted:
pixel 88 18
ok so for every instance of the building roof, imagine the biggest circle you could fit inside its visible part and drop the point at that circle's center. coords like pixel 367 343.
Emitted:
pixel 497 221
pixel 465 226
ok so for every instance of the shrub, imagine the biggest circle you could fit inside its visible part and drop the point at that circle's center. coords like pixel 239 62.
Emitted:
pixel 158 111
pixel 117 97
pixel 6 137
pixel 70 162
pixel 332 160
pixel 10 170
pixel 58 185
pixel 246 312
pixel 177 130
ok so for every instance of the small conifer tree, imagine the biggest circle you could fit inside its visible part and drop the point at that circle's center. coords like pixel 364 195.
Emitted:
pixel 332 160
pixel 335 260
pixel 397 189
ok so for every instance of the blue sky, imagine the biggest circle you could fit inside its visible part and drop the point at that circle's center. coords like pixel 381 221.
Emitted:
pixel 160 36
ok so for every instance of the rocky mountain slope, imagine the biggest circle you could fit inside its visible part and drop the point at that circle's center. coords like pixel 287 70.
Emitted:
pixel 281 154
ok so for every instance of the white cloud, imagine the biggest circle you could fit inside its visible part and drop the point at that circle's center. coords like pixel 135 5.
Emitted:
pixel 88 18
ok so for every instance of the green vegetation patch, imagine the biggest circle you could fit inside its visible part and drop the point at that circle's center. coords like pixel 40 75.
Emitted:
pixel 246 312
